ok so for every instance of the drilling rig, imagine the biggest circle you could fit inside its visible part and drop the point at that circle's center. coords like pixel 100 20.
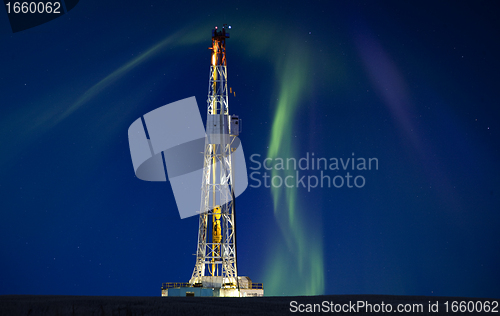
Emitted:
pixel 215 272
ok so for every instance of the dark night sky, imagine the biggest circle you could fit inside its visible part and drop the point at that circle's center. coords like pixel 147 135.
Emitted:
pixel 413 84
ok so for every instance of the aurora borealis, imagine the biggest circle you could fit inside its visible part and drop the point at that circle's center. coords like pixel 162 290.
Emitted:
pixel 299 258
pixel 413 85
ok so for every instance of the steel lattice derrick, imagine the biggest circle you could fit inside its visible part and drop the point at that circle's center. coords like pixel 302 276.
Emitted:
pixel 216 249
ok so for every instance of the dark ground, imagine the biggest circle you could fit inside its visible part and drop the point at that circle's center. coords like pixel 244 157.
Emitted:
pixel 101 305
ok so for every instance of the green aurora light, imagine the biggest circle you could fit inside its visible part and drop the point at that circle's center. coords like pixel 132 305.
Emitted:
pixel 297 267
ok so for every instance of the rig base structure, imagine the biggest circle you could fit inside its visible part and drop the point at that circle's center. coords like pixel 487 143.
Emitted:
pixel 212 287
